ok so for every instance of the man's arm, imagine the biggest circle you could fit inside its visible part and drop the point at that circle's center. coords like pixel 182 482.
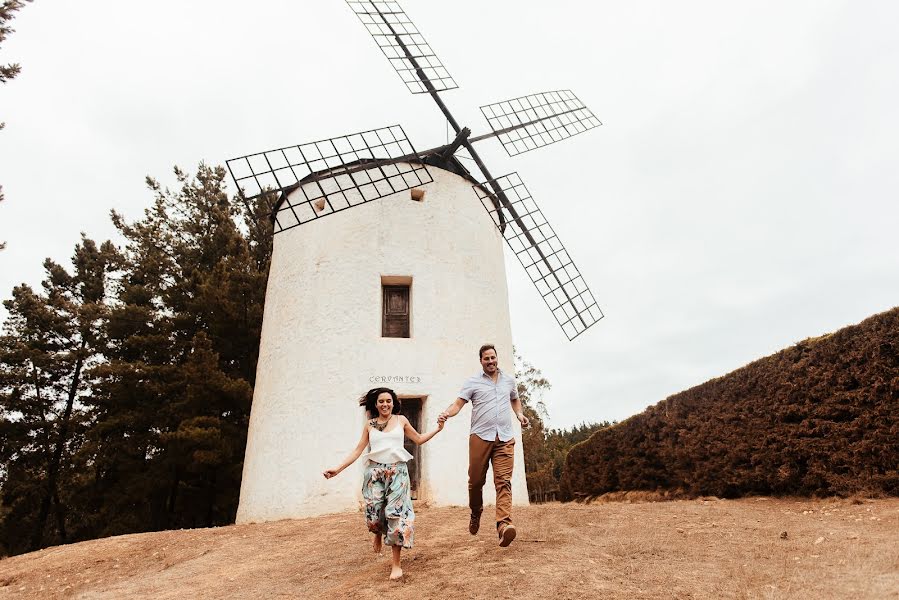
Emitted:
pixel 519 412
pixel 452 410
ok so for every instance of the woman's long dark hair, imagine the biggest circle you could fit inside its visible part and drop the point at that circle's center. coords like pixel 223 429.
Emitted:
pixel 370 401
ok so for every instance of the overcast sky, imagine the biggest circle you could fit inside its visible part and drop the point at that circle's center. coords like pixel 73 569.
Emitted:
pixel 740 196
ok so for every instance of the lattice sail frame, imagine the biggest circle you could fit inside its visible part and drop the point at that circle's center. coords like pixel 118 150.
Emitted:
pixel 324 177
pixel 385 21
pixel 538 120
pixel 543 256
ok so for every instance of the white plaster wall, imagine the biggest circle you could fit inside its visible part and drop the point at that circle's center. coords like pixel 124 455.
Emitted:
pixel 322 348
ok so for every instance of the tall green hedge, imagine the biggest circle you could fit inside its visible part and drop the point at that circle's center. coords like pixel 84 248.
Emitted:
pixel 819 418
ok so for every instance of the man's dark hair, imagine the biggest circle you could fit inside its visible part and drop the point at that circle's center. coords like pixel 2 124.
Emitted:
pixel 484 349
pixel 370 401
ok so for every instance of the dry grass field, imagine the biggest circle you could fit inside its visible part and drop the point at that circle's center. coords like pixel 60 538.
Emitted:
pixel 749 548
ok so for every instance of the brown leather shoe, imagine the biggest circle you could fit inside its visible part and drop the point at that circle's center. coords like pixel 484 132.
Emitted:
pixel 506 535
pixel 474 523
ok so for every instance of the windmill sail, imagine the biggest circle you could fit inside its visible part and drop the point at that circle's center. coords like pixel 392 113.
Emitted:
pixel 540 252
pixel 534 121
pixel 324 177
pixel 321 178
pixel 403 45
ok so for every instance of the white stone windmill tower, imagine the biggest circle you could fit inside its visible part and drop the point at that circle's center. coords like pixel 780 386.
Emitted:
pixel 399 286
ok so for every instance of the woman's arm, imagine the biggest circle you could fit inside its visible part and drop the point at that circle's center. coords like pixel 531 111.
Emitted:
pixel 356 453
pixel 416 437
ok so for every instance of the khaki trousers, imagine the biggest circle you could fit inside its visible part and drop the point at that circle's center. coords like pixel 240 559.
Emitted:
pixel 502 456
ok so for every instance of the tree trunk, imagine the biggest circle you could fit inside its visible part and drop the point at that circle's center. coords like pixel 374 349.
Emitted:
pixel 210 501
pixel 53 471
pixel 60 517
pixel 173 497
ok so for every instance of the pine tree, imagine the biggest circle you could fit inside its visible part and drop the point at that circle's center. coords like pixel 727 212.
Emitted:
pixel 125 385
pixel 50 340
pixel 8 71
pixel 7 12
pixel 172 402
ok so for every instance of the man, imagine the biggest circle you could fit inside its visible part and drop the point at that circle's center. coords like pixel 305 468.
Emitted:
pixel 494 399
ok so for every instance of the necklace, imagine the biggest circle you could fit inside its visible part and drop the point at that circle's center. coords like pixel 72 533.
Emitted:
pixel 380 426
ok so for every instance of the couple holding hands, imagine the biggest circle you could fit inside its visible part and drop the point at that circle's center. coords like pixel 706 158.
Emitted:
pixel 385 482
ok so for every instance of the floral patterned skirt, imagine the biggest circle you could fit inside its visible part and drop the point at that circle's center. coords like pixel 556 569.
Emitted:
pixel 388 505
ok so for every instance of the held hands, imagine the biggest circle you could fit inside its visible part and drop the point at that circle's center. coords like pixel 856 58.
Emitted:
pixel 441 419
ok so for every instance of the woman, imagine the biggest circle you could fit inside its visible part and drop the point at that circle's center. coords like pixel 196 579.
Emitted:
pixel 385 482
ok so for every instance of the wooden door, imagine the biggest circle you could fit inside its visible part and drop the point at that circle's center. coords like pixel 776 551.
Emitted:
pixel 412 411
pixel 395 317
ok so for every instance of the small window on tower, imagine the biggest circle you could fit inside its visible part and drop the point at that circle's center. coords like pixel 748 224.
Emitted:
pixel 395 309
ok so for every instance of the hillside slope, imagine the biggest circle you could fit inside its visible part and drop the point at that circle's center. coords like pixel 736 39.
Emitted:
pixel 819 418
pixel 749 548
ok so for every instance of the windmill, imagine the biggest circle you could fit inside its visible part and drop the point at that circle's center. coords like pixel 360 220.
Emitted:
pixel 368 162
pixel 311 291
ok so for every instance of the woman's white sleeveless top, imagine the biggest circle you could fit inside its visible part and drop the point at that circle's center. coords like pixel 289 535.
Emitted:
pixel 387 446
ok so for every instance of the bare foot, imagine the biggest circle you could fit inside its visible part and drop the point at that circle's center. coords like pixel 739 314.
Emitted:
pixel 376 544
pixel 396 574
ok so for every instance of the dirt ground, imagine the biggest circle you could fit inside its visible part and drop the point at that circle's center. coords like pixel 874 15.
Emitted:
pixel 750 548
